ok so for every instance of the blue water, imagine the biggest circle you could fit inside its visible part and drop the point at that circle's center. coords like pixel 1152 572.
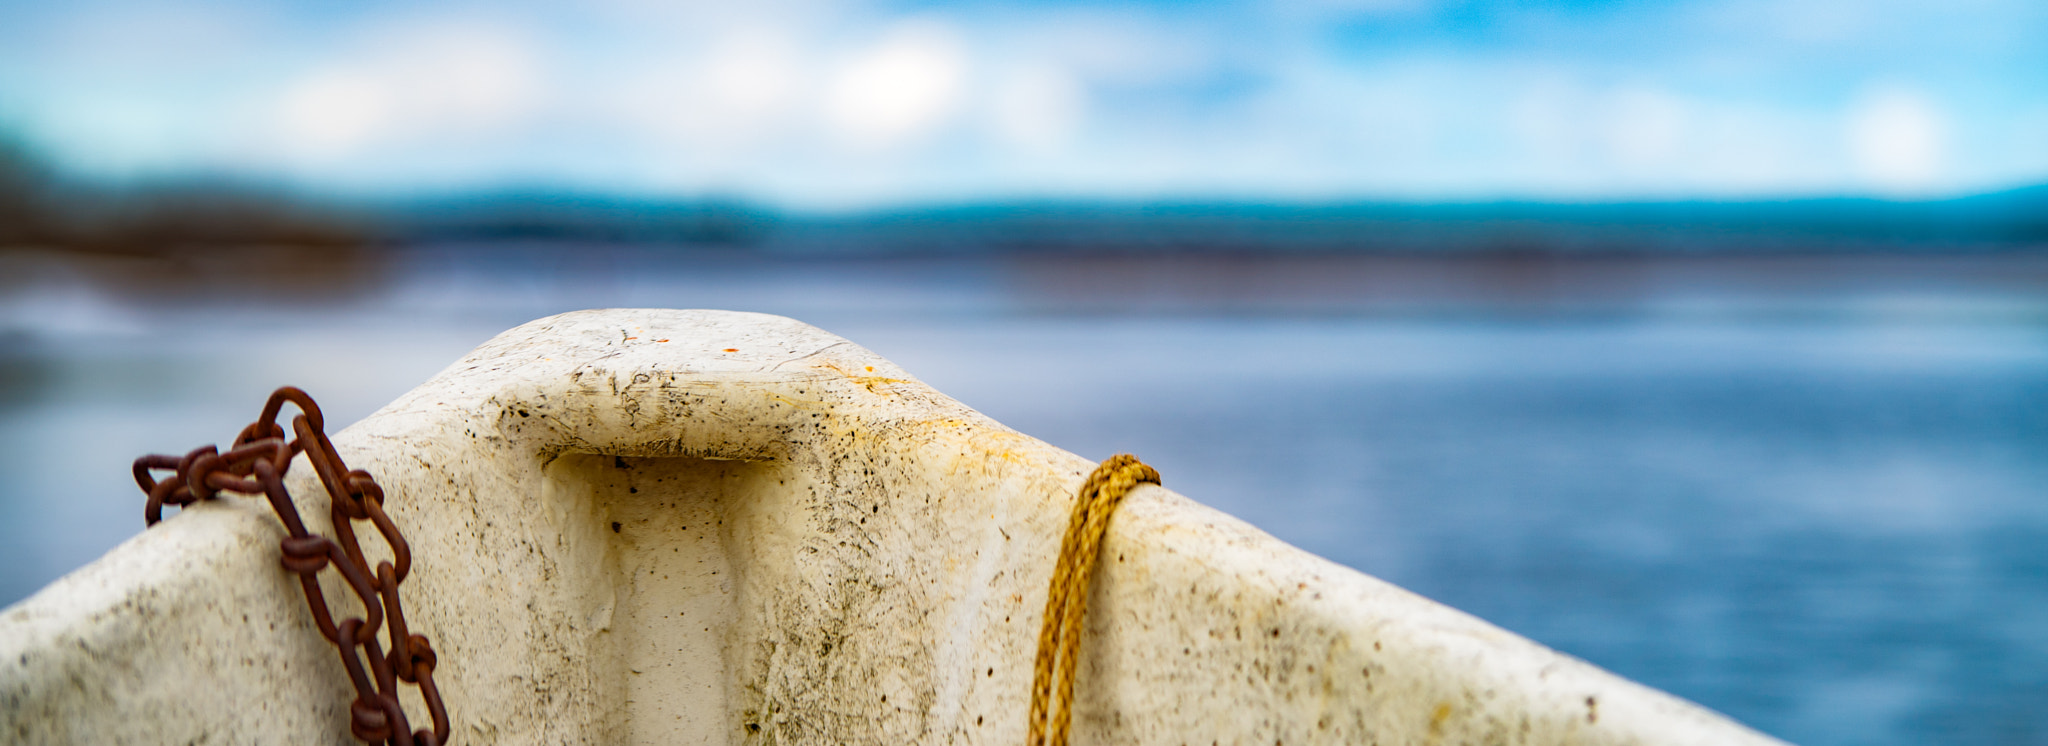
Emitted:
pixel 1827 518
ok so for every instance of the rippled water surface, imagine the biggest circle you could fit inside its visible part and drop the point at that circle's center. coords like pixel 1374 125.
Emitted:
pixel 1824 515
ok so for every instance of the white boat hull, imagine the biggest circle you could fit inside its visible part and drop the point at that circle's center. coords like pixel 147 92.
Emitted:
pixel 653 526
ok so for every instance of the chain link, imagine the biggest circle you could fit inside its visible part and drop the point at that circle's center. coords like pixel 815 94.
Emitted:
pixel 256 465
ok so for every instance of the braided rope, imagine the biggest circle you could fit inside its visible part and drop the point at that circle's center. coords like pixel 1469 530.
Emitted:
pixel 1066 603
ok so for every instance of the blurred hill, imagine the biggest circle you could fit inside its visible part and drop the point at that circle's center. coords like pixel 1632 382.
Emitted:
pixel 39 208
pixel 217 225
pixel 181 237
pixel 2005 221
pixel 2015 220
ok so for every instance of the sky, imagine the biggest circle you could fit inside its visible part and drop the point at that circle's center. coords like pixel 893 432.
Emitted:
pixel 836 104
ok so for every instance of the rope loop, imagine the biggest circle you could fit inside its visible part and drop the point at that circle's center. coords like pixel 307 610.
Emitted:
pixel 1066 603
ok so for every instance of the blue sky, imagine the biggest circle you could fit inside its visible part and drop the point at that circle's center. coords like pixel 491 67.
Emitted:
pixel 840 103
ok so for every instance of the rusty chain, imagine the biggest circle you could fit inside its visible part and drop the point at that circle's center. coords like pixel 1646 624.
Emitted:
pixel 262 453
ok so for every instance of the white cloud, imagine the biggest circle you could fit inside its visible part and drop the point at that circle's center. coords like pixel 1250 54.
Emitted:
pixel 471 78
pixel 902 88
pixel 1896 137
pixel 1399 120
pixel 741 91
pixel 1645 127
pixel 818 100
pixel 419 81
pixel 1122 49
pixel 753 75
pixel 1755 149
pixel 1643 139
pixel 159 40
pixel 334 112
pixel 1548 119
pixel 1038 108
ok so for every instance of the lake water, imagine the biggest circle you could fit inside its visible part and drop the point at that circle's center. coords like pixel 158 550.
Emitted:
pixel 1813 497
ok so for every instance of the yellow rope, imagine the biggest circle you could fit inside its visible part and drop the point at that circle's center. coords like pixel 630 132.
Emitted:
pixel 1059 641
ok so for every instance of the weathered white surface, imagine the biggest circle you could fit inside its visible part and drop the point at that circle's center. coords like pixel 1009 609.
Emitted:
pixel 653 526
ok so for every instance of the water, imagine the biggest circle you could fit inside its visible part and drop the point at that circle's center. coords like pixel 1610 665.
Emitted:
pixel 1822 513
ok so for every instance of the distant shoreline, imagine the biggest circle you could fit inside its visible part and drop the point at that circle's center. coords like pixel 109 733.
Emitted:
pixel 1105 281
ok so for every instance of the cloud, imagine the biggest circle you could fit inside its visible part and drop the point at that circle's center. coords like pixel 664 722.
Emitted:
pixel 1895 136
pixel 416 81
pixel 1038 108
pixel 334 112
pixel 1740 147
pixel 159 40
pixel 753 75
pixel 738 91
pixel 846 101
pixel 1120 49
pixel 903 87
pixel 1645 127
pixel 1545 118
